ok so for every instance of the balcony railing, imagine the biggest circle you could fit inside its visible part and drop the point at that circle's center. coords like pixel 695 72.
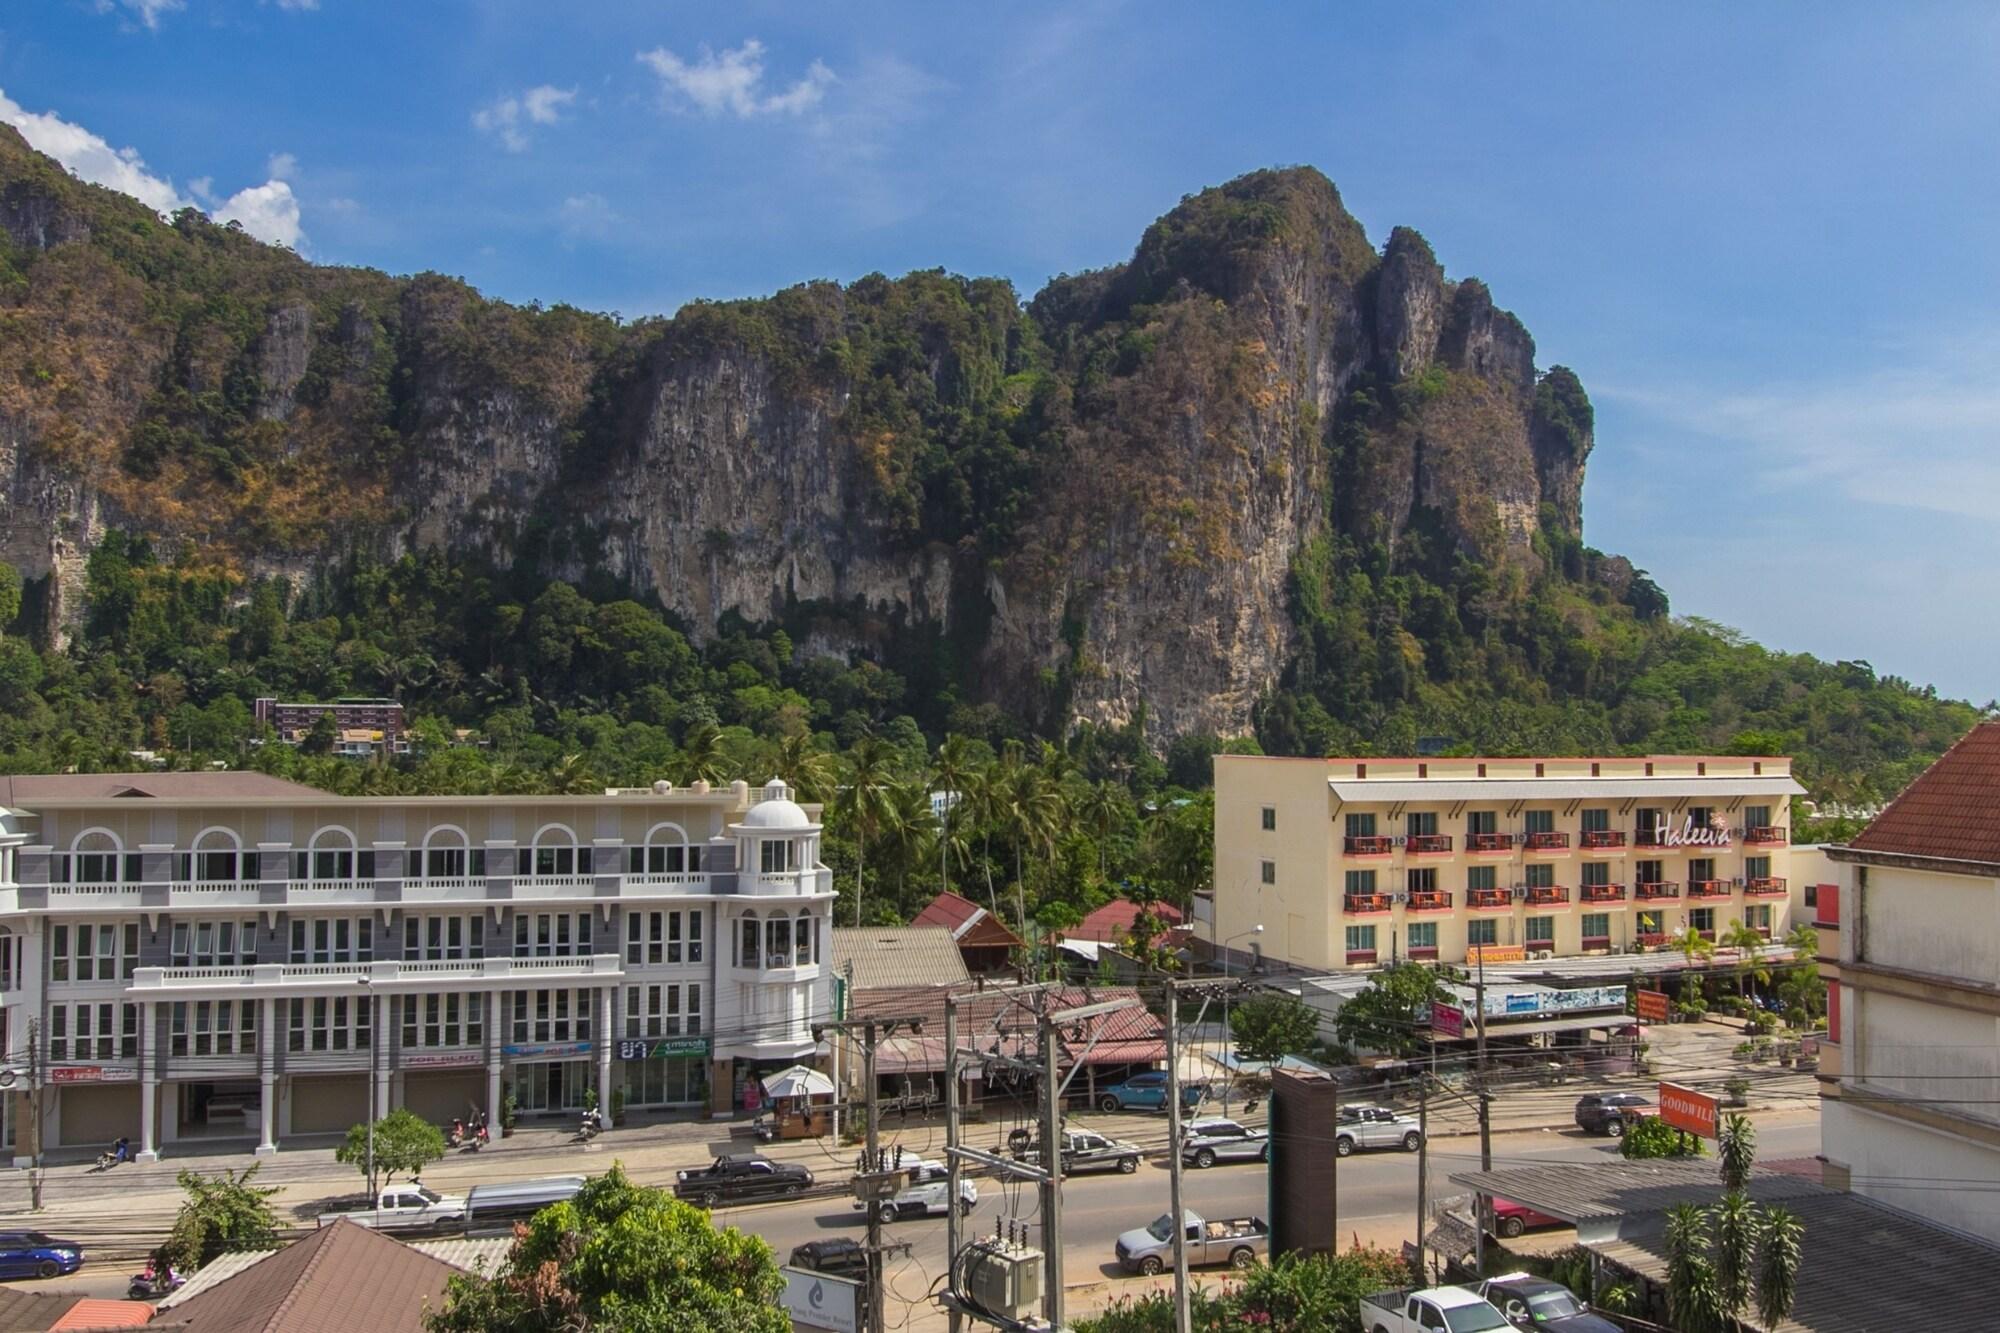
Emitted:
pixel 1602 839
pixel 1370 846
pixel 1487 899
pixel 1604 893
pixel 1766 835
pixel 1366 902
pixel 1657 891
pixel 1489 842
pixel 1708 888
pixel 1651 939
pixel 1430 900
pixel 1428 844
pixel 321 977
pixel 1766 886
pixel 1597 941
pixel 1360 955
pixel 1422 952
pixel 1546 842
pixel 1548 895
pixel 1650 837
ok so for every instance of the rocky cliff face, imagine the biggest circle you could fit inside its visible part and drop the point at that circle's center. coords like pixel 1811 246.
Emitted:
pixel 1099 498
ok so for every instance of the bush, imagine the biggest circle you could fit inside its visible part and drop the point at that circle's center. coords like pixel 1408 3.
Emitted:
pixel 1294 1295
pixel 1654 1137
pixel 223 1212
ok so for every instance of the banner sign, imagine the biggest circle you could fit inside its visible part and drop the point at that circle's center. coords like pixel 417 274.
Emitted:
pixel 1684 1108
pixel 820 1301
pixel 92 1073
pixel 559 1050
pixel 662 1048
pixel 1495 953
pixel 441 1060
pixel 1653 1007
pixel 1447 1020
pixel 1518 1004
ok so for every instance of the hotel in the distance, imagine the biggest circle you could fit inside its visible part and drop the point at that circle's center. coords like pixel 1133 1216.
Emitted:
pixel 1354 862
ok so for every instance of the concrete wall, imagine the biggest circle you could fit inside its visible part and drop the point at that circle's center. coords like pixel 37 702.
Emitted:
pixel 1927 922
pixel 1943 1178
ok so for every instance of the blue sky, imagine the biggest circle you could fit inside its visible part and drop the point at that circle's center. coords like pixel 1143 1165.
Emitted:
pixel 1763 235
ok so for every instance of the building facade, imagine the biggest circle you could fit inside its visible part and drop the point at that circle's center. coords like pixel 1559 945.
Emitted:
pixel 220 955
pixel 1910 1079
pixel 1330 863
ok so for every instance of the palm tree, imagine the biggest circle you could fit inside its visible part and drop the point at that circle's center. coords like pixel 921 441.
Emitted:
pixel 1778 1253
pixel 980 807
pixel 1035 809
pixel 701 753
pixel 1694 1299
pixel 1746 940
pixel 806 769
pixel 862 803
pixel 1693 945
pixel 571 776
pixel 907 828
pixel 1101 808
pixel 951 772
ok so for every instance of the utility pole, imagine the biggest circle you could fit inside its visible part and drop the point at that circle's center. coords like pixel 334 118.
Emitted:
pixel 954 1172
pixel 35 1115
pixel 1182 1314
pixel 1052 1298
pixel 875 1306
pixel 1485 1116
pixel 1423 1169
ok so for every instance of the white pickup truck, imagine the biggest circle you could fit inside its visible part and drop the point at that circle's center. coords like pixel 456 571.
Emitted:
pixel 1430 1310
pixel 411 1206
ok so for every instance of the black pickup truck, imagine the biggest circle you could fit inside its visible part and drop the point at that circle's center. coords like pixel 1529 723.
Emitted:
pixel 741 1179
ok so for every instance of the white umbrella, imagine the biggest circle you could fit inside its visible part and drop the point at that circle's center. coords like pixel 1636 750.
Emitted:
pixel 798 1081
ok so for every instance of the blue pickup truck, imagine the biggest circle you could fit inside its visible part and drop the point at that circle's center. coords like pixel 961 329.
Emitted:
pixel 1144 1092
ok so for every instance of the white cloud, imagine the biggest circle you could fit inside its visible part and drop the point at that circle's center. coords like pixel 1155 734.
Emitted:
pixel 282 167
pixel 270 211
pixel 297 5
pixel 733 81
pixel 509 117
pixel 146 11
pixel 587 216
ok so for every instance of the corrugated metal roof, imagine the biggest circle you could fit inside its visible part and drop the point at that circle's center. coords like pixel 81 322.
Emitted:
pixel 1556 789
pixel 476 1254
pixel 899 956
pixel 1579 1192
pixel 1948 811
pixel 219 1269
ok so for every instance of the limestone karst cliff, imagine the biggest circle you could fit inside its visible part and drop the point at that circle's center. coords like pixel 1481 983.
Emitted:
pixel 1095 501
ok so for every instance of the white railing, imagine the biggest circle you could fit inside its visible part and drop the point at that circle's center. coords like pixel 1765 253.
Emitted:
pixel 93 890
pixel 214 885
pixel 447 884
pixel 668 879
pixel 340 976
pixel 566 886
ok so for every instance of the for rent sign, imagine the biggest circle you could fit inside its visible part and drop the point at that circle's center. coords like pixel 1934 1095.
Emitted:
pixel 1447 1020
pixel 1653 1006
pixel 1684 1108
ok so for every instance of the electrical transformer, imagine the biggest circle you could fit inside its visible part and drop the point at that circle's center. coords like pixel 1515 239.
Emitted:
pixel 1004 1279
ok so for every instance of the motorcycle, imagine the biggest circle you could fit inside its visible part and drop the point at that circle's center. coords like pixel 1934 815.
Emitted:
pixel 152 1286
pixel 589 1129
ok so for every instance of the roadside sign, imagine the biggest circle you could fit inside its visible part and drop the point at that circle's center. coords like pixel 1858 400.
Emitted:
pixel 1496 953
pixel 819 1301
pixel 1684 1108
pixel 1653 1006
pixel 1447 1020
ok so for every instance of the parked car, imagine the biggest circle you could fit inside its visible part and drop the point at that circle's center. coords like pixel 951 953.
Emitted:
pixel 38 1254
pixel 1144 1092
pixel 1081 1151
pixel 1234 1241
pixel 1529 1302
pixel 838 1256
pixel 410 1206
pixel 740 1179
pixel 1206 1142
pixel 928 1194
pixel 1375 1127
pixel 1510 1219
pixel 1610 1113
pixel 1429 1310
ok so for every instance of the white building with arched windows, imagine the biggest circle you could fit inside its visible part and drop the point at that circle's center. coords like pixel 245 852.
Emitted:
pixel 228 956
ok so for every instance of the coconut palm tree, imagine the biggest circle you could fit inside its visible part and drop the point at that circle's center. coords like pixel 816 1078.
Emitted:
pixel 952 769
pixel 701 753
pixel 1101 808
pixel 1035 809
pixel 908 827
pixel 862 803
pixel 806 769
pixel 1745 939
pixel 571 776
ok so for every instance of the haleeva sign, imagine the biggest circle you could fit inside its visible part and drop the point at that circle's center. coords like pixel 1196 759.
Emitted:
pixel 1715 834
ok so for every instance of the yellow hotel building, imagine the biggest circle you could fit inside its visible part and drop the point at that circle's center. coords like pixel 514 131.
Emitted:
pixel 1333 863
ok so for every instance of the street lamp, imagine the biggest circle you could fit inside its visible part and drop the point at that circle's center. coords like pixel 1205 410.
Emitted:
pixel 1228 1038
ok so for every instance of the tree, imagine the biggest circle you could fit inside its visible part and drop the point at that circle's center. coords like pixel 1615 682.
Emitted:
pixel 622 1256
pixel 1388 1013
pixel 862 805
pixel 1745 939
pixel 1650 1136
pixel 404 1142
pixel 701 753
pixel 1272 1025
pixel 222 1212
pixel 321 735
pixel 808 770
pixel 951 770
pixel 1723 1259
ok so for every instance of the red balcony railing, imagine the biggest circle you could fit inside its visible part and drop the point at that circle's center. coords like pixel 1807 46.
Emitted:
pixel 1765 835
pixel 1708 935
pixel 1428 900
pixel 1489 842
pixel 1766 886
pixel 1488 898
pixel 1546 842
pixel 1651 939
pixel 1366 902
pixel 1428 844
pixel 1548 895
pixel 1370 846
pixel 1423 951
pixel 1656 891
pixel 1604 893
pixel 1598 839
pixel 1360 955
pixel 1650 837
pixel 1708 888
pixel 1597 941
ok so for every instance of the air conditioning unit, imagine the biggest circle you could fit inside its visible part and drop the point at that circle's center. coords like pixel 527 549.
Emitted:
pixel 1400 896
pixel 1541 953
pixel 1004 1280
pixel 1520 890
pixel 1738 882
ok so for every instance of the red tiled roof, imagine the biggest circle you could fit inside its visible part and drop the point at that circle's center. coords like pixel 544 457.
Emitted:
pixel 341 1279
pixel 93 1312
pixel 1951 811
pixel 969 923
pixel 992 1015
pixel 1111 923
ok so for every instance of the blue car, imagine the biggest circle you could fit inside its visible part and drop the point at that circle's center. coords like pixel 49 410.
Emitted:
pixel 1143 1092
pixel 35 1254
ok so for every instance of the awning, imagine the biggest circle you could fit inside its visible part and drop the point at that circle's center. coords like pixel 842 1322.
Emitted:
pixel 1502 790
pixel 798 1081
pixel 1496 1030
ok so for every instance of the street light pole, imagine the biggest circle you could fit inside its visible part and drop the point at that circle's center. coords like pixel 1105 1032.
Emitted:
pixel 1228 1044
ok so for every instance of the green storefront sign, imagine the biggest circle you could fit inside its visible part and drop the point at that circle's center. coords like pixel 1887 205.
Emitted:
pixel 663 1048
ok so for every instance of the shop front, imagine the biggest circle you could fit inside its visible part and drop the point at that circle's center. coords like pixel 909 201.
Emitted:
pixel 442 1087
pixel 664 1072
pixel 550 1078
pixel 318 1104
pixel 95 1103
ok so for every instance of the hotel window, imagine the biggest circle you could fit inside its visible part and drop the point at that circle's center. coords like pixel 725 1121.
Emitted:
pixel 1648 872
pixel 1269 816
pixel 548 861
pixel 1541 876
pixel 748 940
pixel 1812 900
pixel 1596 872
pixel 1423 935
pixel 805 949
pixel 1649 821
pixel 1757 867
pixel 213 943
pixel 333 940
pixel 1701 918
pixel 1652 923
pixel 1699 815
pixel 1757 916
pixel 659 1012
pixel 1541 930
pixel 1424 825
pixel 1421 880
pixel 106 951
pixel 1361 939
pixel 323 1023
pixel 778 941
pixel 1361 826
pixel 87 1032
pixel 1540 821
pixel 1596 926
pixel 214 1027
pixel 1269 870
pixel 1700 868
pixel 551 935
pixel 444 938
pixel 1484 930
pixel 444 1020
pixel 1360 881
pixel 1756 816
pixel 1596 821
pixel 1482 821
pixel 775 856
pixel 454 863
pixel 1480 877
pixel 559 1015
pixel 663 859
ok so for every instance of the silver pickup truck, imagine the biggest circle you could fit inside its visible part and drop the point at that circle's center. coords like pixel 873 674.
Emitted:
pixel 411 1206
pixel 1430 1310
pixel 1234 1241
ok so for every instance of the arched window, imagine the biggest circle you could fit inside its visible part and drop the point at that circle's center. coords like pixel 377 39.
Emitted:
pixel 447 855
pixel 96 857
pixel 805 942
pixel 667 852
pixel 778 941
pixel 218 855
pixel 332 855
pixel 554 852
pixel 747 952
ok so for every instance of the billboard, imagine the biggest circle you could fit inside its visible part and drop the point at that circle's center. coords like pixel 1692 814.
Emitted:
pixel 1447 1020
pixel 1653 1006
pixel 1684 1108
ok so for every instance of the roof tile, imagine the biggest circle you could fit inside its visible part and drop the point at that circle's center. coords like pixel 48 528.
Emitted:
pixel 1951 811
